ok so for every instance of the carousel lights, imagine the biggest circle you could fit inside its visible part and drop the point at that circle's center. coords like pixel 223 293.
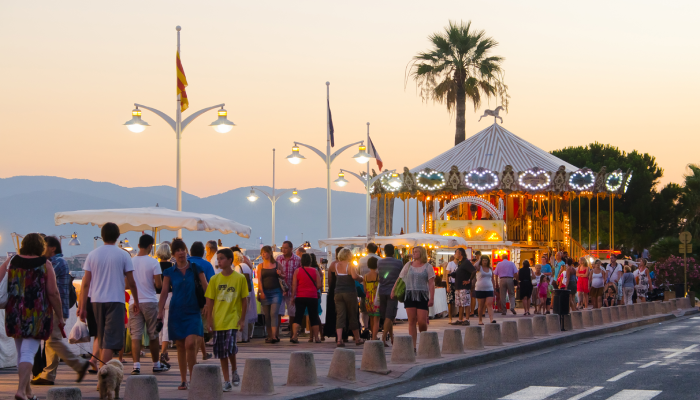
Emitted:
pixel 534 173
pixel 614 181
pixel 469 181
pixel 390 183
pixel 431 176
pixel 627 182
pixel 581 180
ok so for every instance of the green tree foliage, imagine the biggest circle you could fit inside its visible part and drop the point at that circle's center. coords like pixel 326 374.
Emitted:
pixel 690 201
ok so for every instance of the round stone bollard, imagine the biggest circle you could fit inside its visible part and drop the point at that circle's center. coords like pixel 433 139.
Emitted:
pixel 568 325
pixel 539 325
pixel 607 318
pixel 492 335
pixel 597 316
pixel 614 314
pixel 553 324
pixel 374 358
pixel 429 345
pixel 206 382
pixel 510 331
pixel 343 364
pixel 142 387
pixel 71 393
pixel 577 319
pixel 646 309
pixel 638 310
pixel 525 328
pixel 302 369
pixel 257 377
pixel 452 342
pixel 674 304
pixel 402 352
pixel 587 318
pixel 473 338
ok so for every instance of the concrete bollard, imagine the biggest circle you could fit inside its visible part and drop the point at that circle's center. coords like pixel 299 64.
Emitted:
pixel 587 318
pixel 660 307
pixel 539 325
pixel 525 328
pixel 597 316
pixel 607 317
pixel 638 311
pixel 668 307
pixel 568 324
pixel 474 338
pixel 374 358
pixel 402 352
pixel 429 345
pixel 614 314
pixel 142 387
pixel 674 304
pixel 492 335
pixel 631 313
pixel 553 325
pixel 577 319
pixel 302 369
pixel 70 393
pixel 343 363
pixel 452 342
pixel 686 302
pixel 621 313
pixel 206 382
pixel 257 377
pixel 646 309
pixel 510 331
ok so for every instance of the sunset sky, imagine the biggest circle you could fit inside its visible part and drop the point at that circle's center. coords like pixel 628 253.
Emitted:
pixel 622 72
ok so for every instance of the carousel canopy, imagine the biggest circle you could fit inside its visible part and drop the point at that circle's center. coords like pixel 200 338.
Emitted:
pixel 493 149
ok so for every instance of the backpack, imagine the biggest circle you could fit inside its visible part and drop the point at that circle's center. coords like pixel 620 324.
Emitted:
pixel 72 295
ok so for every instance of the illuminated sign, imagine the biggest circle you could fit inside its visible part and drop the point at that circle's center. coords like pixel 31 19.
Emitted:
pixel 473 230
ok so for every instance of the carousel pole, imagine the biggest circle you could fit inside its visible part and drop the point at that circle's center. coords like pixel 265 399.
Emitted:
pixel 571 220
pixel 612 221
pixel 579 219
pixel 417 216
pixel 589 224
pixel 597 222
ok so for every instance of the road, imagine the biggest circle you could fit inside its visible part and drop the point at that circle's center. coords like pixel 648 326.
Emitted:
pixel 659 362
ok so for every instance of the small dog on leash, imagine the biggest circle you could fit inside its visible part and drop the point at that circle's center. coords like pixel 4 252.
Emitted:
pixel 109 379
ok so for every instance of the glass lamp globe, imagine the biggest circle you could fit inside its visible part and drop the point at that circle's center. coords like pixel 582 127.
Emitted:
pixel 74 240
pixel 362 156
pixel 252 196
pixel 395 181
pixel 341 181
pixel 295 157
pixel 222 124
pixel 136 124
pixel 294 198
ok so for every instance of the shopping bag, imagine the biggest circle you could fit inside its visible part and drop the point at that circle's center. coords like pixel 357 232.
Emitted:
pixel 79 333
pixel 3 292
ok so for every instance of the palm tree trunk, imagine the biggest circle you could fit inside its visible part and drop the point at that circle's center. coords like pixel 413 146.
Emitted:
pixel 460 132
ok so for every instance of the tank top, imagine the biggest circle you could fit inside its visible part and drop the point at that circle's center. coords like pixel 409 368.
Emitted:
pixel 483 280
pixel 344 282
pixel 270 279
pixel 28 313
pixel 306 287
pixel 597 280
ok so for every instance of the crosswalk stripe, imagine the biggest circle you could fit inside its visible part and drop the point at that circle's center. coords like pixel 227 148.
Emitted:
pixel 586 393
pixel 534 393
pixel 436 391
pixel 620 376
pixel 682 351
pixel 647 365
pixel 635 395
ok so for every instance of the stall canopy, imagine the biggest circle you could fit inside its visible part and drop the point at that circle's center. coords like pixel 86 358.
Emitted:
pixel 410 239
pixel 150 218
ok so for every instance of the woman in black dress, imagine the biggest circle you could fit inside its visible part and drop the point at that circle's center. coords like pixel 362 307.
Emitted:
pixel 329 326
pixel 525 279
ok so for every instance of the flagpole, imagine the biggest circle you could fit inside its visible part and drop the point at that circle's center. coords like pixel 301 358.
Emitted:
pixel 178 134
pixel 328 166
pixel 367 184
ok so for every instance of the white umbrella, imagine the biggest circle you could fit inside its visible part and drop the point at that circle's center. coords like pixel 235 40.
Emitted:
pixel 150 218
pixel 409 239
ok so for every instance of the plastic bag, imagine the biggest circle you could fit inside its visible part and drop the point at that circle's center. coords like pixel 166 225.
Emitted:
pixel 79 333
pixel 3 292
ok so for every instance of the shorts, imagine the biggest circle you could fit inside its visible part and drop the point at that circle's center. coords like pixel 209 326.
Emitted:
pixel 596 292
pixel 287 301
pixel 482 294
pixel 225 344
pixel 549 301
pixel 147 317
pixel 418 304
pixel 346 310
pixel 462 298
pixel 450 293
pixel 310 306
pixel 110 325
pixel 91 322
pixel 388 307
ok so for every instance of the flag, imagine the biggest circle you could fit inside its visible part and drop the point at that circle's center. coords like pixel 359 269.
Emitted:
pixel 330 124
pixel 373 153
pixel 181 84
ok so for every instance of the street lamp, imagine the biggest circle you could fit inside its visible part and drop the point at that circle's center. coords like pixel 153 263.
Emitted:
pixel 137 125
pixel 341 181
pixel 362 157
pixel 73 239
pixel 252 197
pixel 295 157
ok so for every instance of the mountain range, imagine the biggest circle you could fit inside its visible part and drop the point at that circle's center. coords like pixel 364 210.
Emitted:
pixel 28 204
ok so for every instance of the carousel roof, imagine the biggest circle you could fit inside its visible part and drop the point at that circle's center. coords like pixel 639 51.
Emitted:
pixel 493 149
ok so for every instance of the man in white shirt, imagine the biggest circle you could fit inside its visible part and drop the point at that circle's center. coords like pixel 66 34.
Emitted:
pixel 105 269
pixel 364 270
pixel 148 278
pixel 614 273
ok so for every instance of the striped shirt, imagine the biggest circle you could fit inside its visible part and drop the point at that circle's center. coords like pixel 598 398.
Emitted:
pixel 289 266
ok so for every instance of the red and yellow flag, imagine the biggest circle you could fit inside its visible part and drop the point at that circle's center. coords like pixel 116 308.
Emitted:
pixel 181 84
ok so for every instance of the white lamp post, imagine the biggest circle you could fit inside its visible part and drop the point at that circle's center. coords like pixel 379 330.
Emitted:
pixel 294 198
pixel 137 125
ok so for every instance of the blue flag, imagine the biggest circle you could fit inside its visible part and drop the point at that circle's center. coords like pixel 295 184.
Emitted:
pixel 330 124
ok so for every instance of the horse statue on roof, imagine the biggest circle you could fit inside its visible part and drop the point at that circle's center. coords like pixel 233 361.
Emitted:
pixel 493 113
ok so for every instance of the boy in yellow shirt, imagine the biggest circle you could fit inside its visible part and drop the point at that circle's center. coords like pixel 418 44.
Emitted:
pixel 227 304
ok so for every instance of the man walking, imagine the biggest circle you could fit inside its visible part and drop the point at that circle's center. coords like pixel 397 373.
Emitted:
pixel 290 263
pixel 463 277
pixel 56 346
pixel 148 278
pixel 105 269
pixel 364 270
pixel 506 270
pixel 388 269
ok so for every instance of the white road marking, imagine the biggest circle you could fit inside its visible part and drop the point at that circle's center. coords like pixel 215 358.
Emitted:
pixel 436 391
pixel 534 393
pixel 620 376
pixel 695 318
pixel 635 395
pixel 586 393
pixel 678 353
pixel 647 365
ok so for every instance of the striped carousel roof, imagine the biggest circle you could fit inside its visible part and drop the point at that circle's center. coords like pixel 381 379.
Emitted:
pixel 493 149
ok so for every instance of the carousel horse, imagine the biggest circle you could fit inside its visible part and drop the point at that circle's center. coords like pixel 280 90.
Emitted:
pixel 493 113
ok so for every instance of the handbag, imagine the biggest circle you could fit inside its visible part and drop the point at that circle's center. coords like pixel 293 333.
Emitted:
pixel 198 289
pixel 283 283
pixel 360 289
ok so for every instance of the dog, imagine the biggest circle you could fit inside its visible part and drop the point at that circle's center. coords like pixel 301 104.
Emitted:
pixel 109 379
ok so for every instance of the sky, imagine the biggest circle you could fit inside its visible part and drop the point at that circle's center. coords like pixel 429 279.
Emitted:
pixel 623 73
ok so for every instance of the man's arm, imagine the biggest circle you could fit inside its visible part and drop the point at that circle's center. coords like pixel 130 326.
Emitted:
pixel 134 290
pixel 84 289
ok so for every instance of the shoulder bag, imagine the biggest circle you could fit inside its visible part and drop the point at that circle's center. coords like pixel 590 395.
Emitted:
pixel 283 283
pixel 198 289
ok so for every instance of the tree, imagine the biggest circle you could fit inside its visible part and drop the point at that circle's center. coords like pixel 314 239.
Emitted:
pixel 457 67
pixel 690 201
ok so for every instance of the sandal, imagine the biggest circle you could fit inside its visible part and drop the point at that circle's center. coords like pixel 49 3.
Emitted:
pixel 340 344
pixel 317 340
pixel 294 340
pixel 183 386
pixel 493 322
pixel 359 342
pixel 267 340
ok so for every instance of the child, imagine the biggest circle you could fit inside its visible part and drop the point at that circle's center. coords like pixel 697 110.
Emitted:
pixel 610 297
pixel 226 310
pixel 371 284
pixel 542 289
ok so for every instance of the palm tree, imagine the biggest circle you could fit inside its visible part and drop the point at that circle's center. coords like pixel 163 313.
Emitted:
pixel 459 66
pixel 690 200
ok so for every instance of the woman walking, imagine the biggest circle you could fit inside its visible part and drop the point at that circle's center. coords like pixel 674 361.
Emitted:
pixel 525 285
pixel 270 292
pixel 484 288
pixel 371 284
pixel 329 327
pixel 305 285
pixel 572 282
pixel 643 281
pixel 419 277
pixel 346 306
pixel 185 324
pixel 163 254
pixel 597 284
pixel 242 266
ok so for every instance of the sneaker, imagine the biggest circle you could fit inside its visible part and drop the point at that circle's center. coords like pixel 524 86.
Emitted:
pixel 228 387
pixel 137 371
pixel 236 379
pixel 162 368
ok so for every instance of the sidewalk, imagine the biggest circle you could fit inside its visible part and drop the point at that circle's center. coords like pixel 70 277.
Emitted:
pixel 279 355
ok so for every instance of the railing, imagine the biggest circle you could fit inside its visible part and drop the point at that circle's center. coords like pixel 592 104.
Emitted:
pixel 524 230
pixel 575 249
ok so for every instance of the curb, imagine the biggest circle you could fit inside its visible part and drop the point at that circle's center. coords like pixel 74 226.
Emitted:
pixel 431 369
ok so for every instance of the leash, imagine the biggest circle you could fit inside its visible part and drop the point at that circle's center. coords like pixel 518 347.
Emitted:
pixel 90 354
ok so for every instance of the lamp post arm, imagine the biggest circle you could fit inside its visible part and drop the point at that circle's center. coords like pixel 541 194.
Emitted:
pixel 374 179
pixel 342 149
pixel 355 175
pixel 161 114
pixel 269 196
pixel 197 114
pixel 312 148
pixel 280 193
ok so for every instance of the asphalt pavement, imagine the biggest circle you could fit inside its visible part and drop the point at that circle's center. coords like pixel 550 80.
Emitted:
pixel 657 362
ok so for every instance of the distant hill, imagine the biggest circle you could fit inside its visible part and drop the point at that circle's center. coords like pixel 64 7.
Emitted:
pixel 28 204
